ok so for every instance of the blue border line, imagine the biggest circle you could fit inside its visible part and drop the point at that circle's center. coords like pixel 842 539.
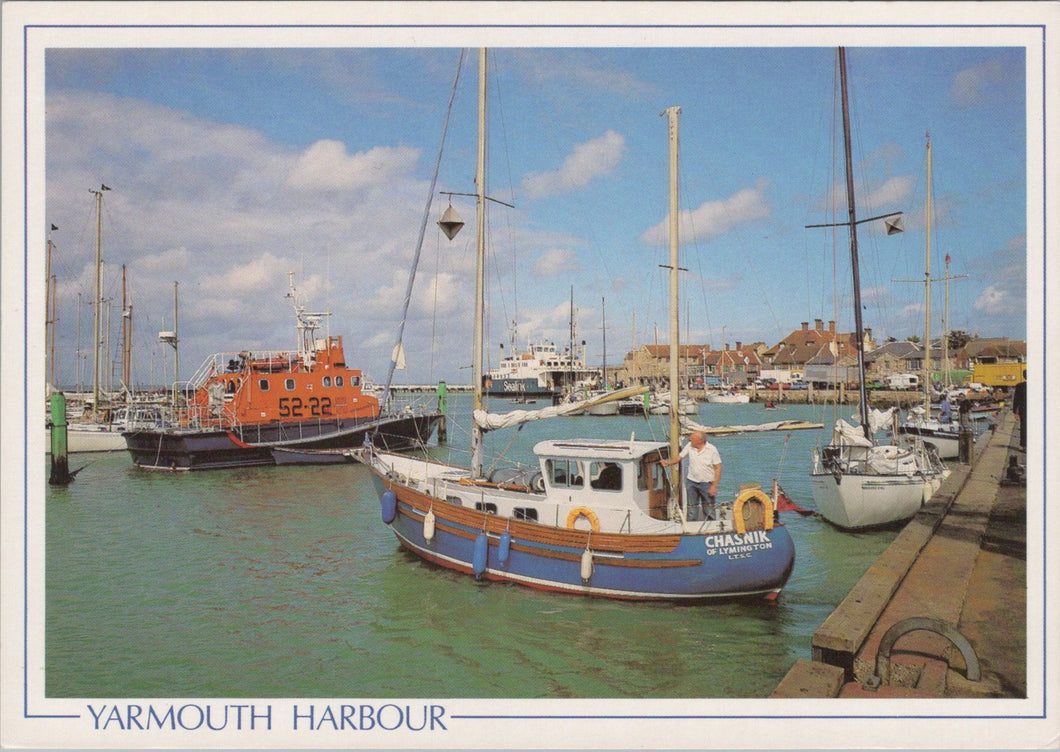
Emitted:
pixel 544 27
pixel 25 327
pixel 25 393
pixel 1041 379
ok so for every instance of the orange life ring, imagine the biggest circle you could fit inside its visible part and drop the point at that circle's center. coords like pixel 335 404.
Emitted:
pixel 765 504
pixel 594 521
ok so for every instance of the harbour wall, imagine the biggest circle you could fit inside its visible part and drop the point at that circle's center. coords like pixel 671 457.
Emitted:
pixel 942 612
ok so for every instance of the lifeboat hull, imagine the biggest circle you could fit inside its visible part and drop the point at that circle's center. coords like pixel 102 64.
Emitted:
pixel 307 443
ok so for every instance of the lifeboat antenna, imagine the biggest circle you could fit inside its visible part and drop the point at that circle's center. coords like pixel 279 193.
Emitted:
pixel 307 323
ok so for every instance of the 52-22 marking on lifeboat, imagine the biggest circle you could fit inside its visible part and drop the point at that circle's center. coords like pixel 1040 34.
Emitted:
pixel 296 407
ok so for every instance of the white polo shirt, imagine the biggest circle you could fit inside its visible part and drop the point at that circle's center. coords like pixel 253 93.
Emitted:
pixel 701 463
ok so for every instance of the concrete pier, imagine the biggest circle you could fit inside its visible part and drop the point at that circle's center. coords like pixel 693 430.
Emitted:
pixel 961 565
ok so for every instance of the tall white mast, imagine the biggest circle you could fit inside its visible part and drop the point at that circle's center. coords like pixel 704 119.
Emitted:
pixel 927 292
pixel 99 294
pixel 675 428
pixel 480 265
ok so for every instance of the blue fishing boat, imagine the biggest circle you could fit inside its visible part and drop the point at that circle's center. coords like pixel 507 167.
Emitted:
pixel 599 517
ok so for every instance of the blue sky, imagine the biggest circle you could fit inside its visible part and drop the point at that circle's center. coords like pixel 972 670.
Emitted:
pixel 230 167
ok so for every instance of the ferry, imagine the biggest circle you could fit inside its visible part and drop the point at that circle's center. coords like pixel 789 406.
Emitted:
pixel 539 371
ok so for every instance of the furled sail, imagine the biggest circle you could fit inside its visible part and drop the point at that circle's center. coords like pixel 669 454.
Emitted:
pixel 687 426
pixel 491 421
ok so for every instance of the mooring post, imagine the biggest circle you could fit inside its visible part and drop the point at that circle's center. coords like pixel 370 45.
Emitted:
pixel 60 474
pixel 442 408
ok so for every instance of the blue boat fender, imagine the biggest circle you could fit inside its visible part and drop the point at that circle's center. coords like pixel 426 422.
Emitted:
pixel 388 502
pixel 505 547
pixel 428 526
pixel 478 560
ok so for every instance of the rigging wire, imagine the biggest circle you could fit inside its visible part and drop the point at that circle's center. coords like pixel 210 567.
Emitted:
pixel 434 304
pixel 513 255
pixel 423 229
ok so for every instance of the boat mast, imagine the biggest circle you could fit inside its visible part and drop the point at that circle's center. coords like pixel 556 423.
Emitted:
pixel 126 339
pixel 49 308
pixel 603 329
pixel 859 328
pixel 480 261
pixel 927 292
pixel 675 428
pixel 571 361
pixel 99 294
pixel 79 364
pixel 176 344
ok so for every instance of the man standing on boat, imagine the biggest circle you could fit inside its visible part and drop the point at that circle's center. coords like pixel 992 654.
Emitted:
pixel 704 472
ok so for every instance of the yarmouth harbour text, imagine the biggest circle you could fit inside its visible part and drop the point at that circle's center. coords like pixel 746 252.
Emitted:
pixel 250 717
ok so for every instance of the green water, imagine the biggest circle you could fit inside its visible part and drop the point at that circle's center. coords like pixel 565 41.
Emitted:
pixel 283 582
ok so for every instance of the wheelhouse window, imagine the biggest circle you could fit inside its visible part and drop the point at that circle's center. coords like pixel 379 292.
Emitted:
pixel 263 385
pixel 288 384
pixel 658 477
pixel 651 475
pixel 605 476
pixel 487 507
pixel 326 381
pixel 529 514
pixel 355 381
pixel 338 381
pixel 564 473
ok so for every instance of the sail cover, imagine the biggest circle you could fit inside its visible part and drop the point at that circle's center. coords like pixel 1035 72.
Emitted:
pixel 687 426
pixel 491 421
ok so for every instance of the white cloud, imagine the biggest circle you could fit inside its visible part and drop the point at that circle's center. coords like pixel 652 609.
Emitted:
pixel 580 70
pixel 437 295
pixel 212 207
pixel 890 194
pixel 169 261
pixel 556 261
pixel 714 218
pixel 994 300
pixel 264 272
pixel 971 85
pixel 585 162
pixel 326 166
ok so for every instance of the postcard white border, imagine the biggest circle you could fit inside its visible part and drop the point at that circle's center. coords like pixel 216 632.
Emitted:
pixel 29 719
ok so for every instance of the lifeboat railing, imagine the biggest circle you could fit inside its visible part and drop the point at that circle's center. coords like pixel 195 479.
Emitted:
pixel 198 417
pixel 237 362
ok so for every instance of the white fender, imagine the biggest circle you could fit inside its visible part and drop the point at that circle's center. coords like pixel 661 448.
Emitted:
pixel 587 565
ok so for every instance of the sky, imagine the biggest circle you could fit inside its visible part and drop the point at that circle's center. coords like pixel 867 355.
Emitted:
pixel 230 167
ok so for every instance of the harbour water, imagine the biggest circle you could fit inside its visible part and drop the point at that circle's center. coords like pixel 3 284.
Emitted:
pixel 284 582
